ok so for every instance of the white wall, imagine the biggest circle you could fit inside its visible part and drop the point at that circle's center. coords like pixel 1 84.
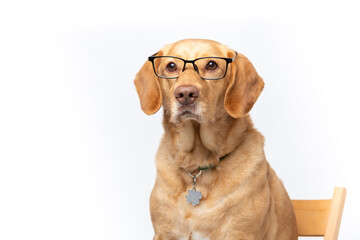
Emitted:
pixel 77 153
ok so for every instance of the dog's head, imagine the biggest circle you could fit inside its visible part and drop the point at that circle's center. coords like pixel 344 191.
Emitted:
pixel 200 80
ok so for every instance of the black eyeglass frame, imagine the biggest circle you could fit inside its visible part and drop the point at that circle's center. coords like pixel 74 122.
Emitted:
pixel 228 60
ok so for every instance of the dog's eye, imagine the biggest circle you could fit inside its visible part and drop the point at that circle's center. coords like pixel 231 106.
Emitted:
pixel 211 65
pixel 171 67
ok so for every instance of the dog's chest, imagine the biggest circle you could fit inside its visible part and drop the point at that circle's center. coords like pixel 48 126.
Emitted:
pixel 195 236
pixel 198 236
pixel 190 216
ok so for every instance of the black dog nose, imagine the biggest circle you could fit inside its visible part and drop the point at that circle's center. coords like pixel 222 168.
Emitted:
pixel 186 94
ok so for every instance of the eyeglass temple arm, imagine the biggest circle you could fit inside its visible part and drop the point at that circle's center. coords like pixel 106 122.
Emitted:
pixel 152 56
pixel 233 59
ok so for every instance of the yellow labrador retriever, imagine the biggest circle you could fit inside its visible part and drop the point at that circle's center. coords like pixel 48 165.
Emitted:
pixel 213 181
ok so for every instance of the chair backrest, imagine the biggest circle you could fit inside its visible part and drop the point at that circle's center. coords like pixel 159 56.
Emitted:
pixel 319 218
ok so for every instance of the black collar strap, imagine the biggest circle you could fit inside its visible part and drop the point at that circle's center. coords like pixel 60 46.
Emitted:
pixel 211 165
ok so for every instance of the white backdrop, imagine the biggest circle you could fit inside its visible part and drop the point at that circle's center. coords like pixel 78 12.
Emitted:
pixel 76 151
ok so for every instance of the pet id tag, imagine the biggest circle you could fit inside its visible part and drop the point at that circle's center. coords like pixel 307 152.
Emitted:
pixel 194 196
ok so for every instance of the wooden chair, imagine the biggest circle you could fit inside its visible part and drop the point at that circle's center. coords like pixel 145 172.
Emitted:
pixel 317 218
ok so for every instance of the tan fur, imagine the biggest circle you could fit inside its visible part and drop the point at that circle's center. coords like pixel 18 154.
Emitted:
pixel 242 196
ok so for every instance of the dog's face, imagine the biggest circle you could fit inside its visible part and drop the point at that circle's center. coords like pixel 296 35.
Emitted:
pixel 184 88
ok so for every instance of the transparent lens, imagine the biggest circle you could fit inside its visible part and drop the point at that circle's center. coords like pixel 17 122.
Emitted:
pixel 211 68
pixel 168 67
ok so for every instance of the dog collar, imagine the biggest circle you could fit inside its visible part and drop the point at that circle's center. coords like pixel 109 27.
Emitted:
pixel 195 196
pixel 212 165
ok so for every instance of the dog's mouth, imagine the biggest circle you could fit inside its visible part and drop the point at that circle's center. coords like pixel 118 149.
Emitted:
pixel 188 112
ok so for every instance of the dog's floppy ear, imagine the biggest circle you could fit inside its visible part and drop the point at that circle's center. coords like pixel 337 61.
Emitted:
pixel 148 89
pixel 244 87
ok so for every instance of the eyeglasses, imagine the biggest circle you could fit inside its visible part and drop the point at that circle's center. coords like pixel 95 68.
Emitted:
pixel 208 68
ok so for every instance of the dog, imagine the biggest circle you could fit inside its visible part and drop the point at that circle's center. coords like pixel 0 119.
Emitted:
pixel 213 180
